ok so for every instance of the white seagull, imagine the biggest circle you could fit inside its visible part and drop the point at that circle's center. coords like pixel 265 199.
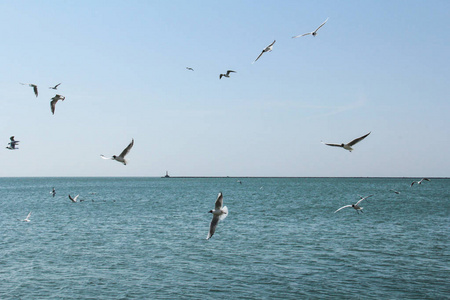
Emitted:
pixel 73 199
pixel 219 213
pixel 35 88
pixel 55 87
pixel 121 157
pixel 356 205
pixel 420 181
pixel 348 146
pixel 313 33
pixel 54 100
pixel 267 49
pixel 12 144
pixel 27 219
pixel 227 74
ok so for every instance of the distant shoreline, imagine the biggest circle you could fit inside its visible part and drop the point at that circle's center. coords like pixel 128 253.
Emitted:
pixel 231 177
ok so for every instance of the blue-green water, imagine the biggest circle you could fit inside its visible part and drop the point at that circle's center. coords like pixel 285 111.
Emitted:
pixel 145 238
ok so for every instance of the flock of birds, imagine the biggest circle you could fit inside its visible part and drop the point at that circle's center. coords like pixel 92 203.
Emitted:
pixel 219 212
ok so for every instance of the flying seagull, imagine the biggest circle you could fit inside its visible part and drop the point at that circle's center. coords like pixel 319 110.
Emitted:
pixel 397 192
pixel 55 87
pixel 420 181
pixel 27 219
pixel 35 88
pixel 227 74
pixel 73 199
pixel 189 68
pixel 219 213
pixel 121 157
pixel 267 49
pixel 54 100
pixel 348 146
pixel 12 144
pixel 313 33
pixel 356 205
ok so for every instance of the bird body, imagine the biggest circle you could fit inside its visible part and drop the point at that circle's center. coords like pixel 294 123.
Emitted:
pixel 226 74
pixel 219 212
pixel 349 145
pixel 121 157
pixel 313 33
pixel 267 49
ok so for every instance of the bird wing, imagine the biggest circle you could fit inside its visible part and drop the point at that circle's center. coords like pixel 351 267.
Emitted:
pixel 71 198
pixel 258 56
pixel 363 198
pixel 219 201
pixel 321 25
pixel 28 216
pixel 343 207
pixel 220 76
pixel 53 105
pixel 212 226
pixel 75 199
pixel 413 183
pixel 104 157
pixel 272 43
pixel 57 85
pixel 358 140
pixel 12 139
pixel 308 33
pixel 334 145
pixel 230 71
pixel 426 179
pixel 127 149
pixel 35 89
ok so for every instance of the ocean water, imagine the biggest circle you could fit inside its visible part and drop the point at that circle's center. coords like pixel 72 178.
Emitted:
pixel 145 238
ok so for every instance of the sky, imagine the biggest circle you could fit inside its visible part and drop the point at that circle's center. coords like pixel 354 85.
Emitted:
pixel 375 66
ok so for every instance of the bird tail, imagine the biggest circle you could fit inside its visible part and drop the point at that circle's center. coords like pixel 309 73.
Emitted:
pixel 225 213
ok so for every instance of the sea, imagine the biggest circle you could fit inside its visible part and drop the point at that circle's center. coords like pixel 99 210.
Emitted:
pixel 145 238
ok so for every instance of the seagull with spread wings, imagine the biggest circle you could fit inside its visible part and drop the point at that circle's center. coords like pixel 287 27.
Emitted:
pixel 35 88
pixel 349 145
pixel 227 74
pixel 12 144
pixel 219 212
pixel 420 181
pixel 356 205
pixel 54 100
pixel 267 49
pixel 73 199
pixel 313 33
pixel 55 87
pixel 121 157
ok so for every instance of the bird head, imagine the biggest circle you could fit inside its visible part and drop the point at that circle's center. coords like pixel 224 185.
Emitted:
pixel 210 211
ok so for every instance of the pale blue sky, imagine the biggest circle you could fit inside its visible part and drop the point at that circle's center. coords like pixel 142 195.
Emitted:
pixel 379 66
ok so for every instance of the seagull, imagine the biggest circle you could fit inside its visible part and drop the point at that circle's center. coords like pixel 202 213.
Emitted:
pixel 53 192
pixel 55 87
pixel 227 74
pixel 356 205
pixel 73 199
pixel 420 181
pixel 219 213
pixel 27 219
pixel 12 144
pixel 314 33
pixel 189 68
pixel 54 100
pixel 35 88
pixel 267 49
pixel 349 145
pixel 121 157
pixel 397 192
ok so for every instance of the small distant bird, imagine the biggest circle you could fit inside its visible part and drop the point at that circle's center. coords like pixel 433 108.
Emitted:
pixel 356 205
pixel 219 213
pixel 313 33
pixel 55 87
pixel 420 181
pixel 35 88
pixel 348 146
pixel 27 219
pixel 12 144
pixel 227 74
pixel 189 68
pixel 121 157
pixel 267 49
pixel 73 199
pixel 54 100
pixel 397 192
pixel 53 192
